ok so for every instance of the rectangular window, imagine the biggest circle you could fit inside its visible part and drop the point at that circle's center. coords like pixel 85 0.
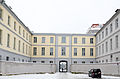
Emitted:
pixel 15 26
pixel 116 23
pixel 106 31
pixel 83 40
pixel 8 40
pixel 91 40
pixel 63 39
pixel 23 33
pixel 75 40
pixel 29 38
pixel 43 50
pixel 34 51
pixel 9 20
pixel 91 51
pixel 43 39
pixel 75 51
pixel 26 36
pixel 26 48
pixel 116 40
pixel 99 37
pixel 19 29
pixel 0 36
pixel 83 51
pixel 51 51
pixel 103 48
pixel 96 51
pixel 23 47
pixel 102 34
pixel 110 44
pixel 51 39
pixel 1 13
pixel 14 45
pixel 99 50
pixel 111 29
pixel 106 46
pixel 63 51
pixel 19 46
pixel 96 39
pixel 35 39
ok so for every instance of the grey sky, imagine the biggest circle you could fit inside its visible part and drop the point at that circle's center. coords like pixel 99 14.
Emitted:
pixel 63 16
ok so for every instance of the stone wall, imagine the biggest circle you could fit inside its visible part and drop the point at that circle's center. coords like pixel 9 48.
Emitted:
pixel 108 68
pixel 20 68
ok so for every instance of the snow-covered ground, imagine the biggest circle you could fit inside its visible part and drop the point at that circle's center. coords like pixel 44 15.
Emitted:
pixel 54 76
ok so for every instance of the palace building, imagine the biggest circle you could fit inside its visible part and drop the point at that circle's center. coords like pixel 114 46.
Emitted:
pixel 19 44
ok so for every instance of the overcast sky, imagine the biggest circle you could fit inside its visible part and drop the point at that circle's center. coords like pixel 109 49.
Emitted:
pixel 63 16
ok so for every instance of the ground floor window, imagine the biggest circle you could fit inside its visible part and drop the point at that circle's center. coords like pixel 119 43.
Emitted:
pixel 7 58
pixel 75 62
pixel 51 61
pixel 91 61
pixel 42 61
pixel 83 61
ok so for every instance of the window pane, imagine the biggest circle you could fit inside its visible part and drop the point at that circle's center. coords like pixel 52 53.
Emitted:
pixel 35 39
pixel 35 51
pixel 63 50
pixel 51 51
pixel 91 40
pixel 75 40
pixel 43 39
pixel 83 51
pixel 43 50
pixel 75 51
pixel 83 40
pixel 0 36
pixel 63 39
pixel 51 39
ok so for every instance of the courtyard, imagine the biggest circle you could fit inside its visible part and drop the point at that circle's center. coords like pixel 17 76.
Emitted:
pixel 54 76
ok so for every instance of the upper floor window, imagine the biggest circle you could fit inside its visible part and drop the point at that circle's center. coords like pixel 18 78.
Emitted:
pixel 63 39
pixel 9 20
pixel 99 37
pixel 26 36
pixel 83 40
pixel 83 51
pixel 14 45
pixel 91 40
pixel 106 31
pixel 103 48
pixel 117 41
pixel 43 39
pixel 111 29
pixel 51 51
pixel 15 26
pixel 23 47
pixel 0 36
pixel 102 34
pixel 96 39
pixel 23 33
pixel 111 44
pixel 19 46
pixel 106 46
pixel 51 39
pixel 75 51
pixel 99 50
pixel 43 50
pixel 63 51
pixel 1 13
pixel 35 39
pixel 75 40
pixel 19 29
pixel 91 51
pixel 34 50
pixel 8 40
pixel 116 23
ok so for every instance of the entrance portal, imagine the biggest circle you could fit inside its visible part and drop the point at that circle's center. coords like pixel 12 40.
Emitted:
pixel 63 66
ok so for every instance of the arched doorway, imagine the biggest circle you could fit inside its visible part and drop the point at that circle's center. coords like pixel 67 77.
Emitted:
pixel 63 66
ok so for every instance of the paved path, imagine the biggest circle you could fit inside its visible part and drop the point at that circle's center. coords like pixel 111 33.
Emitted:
pixel 54 76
